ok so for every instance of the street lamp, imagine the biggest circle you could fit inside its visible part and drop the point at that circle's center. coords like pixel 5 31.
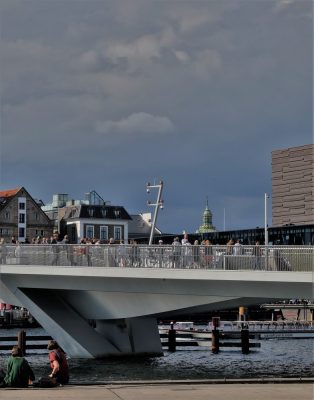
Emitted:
pixel 159 204
pixel 266 220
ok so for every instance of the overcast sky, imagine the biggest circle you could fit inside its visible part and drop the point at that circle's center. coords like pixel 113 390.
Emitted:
pixel 107 95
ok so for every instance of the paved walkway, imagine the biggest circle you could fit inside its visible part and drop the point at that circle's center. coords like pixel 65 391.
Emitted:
pixel 252 391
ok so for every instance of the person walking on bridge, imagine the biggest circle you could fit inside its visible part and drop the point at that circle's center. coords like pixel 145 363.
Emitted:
pixel 257 255
pixel 55 248
pixel 176 253
pixel 3 251
pixel 237 248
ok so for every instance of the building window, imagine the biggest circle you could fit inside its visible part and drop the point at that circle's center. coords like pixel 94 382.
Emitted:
pixel 91 211
pixel 89 231
pixel 36 216
pixel 7 215
pixel 117 233
pixel 21 206
pixel 22 218
pixel 104 212
pixel 117 213
pixel 21 232
pixel 104 233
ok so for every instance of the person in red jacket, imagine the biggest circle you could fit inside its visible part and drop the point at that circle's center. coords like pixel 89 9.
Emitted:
pixel 58 363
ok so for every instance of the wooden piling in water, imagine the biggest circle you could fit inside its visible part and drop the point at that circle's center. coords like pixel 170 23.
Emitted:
pixel 21 341
pixel 29 344
pixel 215 335
pixel 245 341
pixel 215 341
pixel 172 339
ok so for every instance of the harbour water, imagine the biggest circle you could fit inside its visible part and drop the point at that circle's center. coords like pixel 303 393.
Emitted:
pixel 276 358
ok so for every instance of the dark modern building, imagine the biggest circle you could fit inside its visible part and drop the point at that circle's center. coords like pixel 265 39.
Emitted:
pixel 284 235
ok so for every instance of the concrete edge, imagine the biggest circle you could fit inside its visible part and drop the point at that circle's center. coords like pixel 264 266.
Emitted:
pixel 197 382
pixel 224 381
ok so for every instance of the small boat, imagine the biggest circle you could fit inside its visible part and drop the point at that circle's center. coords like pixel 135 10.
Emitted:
pixel 18 317
pixel 184 326
pixel 304 334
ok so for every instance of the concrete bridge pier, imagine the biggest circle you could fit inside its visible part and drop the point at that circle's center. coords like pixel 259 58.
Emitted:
pixel 74 333
pixel 138 336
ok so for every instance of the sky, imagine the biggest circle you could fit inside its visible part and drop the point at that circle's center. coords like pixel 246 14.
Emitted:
pixel 108 95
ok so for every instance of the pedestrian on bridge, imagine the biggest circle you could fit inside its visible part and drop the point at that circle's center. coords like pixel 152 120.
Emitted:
pixel 237 248
pixel 257 255
pixel 176 252
pixel 55 248
pixel 3 251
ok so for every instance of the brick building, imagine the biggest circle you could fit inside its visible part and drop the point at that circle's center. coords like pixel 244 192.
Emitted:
pixel 293 186
pixel 21 216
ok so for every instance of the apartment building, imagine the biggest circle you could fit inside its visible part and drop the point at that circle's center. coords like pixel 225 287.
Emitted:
pixel 21 216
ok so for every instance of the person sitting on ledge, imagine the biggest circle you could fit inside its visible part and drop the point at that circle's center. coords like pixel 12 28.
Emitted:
pixel 58 363
pixel 19 373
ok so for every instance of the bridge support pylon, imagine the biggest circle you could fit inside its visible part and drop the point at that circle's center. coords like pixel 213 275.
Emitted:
pixel 74 333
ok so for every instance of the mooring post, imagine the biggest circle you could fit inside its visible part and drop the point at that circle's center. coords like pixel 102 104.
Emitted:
pixel 21 341
pixel 215 335
pixel 244 331
pixel 171 338
pixel 245 341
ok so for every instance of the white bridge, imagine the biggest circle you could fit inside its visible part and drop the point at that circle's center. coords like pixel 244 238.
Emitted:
pixel 105 300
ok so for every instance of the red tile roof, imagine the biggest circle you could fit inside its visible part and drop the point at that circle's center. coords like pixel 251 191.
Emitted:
pixel 10 192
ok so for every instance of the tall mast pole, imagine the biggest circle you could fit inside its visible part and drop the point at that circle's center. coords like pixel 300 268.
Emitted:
pixel 158 204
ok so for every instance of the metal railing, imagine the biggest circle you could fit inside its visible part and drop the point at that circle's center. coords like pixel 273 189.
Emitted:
pixel 262 258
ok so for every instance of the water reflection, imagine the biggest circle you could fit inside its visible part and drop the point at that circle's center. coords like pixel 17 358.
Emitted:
pixel 272 360
pixel 275 358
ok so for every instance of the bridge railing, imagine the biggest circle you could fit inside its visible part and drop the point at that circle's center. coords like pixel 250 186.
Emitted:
pixel 266 258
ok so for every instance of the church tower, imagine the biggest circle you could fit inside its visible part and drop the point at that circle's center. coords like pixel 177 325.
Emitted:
pixel 207 225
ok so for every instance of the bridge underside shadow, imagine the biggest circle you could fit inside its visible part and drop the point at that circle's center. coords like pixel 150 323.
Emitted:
pixel 90 334
pixel 89 338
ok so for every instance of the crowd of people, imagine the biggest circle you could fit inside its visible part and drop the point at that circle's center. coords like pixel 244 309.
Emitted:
pixel 204 253
pixel 55 238
pixel 178 254
pixel 19 373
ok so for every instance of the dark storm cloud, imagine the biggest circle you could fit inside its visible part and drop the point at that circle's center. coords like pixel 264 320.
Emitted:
pixel 106 95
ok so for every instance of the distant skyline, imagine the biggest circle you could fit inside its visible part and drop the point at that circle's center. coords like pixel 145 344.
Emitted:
pixel 107 95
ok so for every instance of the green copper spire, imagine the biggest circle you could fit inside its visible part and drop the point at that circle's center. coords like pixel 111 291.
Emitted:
pixel 207 225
